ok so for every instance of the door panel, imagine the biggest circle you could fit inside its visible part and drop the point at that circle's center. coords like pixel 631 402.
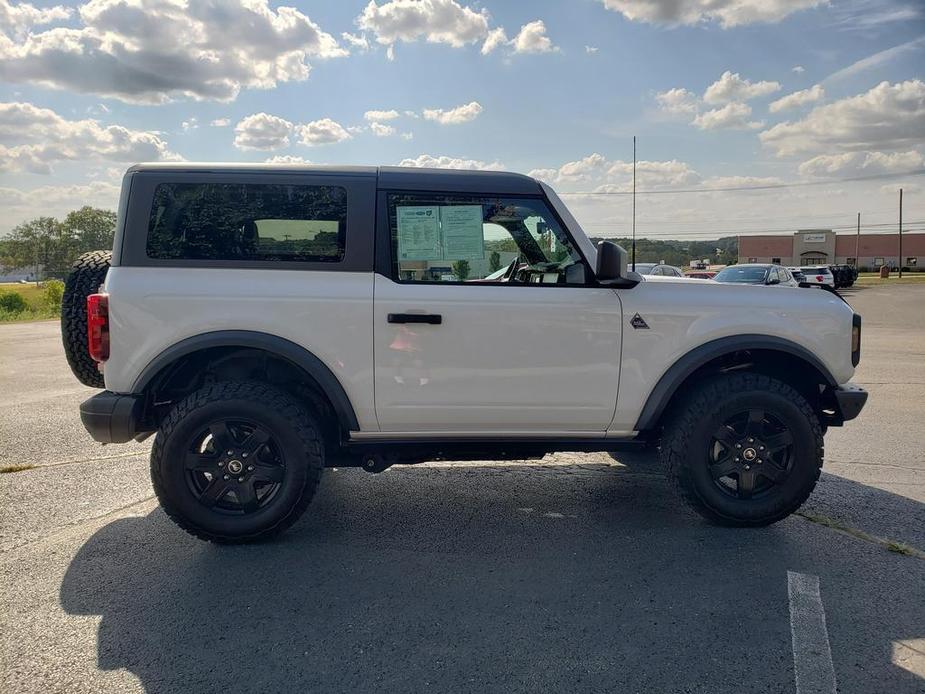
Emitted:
pixel 509 358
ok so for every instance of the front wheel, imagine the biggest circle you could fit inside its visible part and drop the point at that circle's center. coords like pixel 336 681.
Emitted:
pixel 744 450
pixel 236 462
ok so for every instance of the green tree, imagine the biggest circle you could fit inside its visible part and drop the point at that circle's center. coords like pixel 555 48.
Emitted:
pixel 494 262
pixel 91 228
pixel 42 242
pixel 461 269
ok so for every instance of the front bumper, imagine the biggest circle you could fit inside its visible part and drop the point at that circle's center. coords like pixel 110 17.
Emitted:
pixel 849 401
pixel 110 417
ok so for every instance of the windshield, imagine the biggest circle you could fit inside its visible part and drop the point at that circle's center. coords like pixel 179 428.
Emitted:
pixel 745 275
pixel 645 268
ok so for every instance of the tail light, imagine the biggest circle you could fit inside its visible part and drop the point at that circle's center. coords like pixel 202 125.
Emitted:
pixel 98 327
pixel 820 278
pixel 855 339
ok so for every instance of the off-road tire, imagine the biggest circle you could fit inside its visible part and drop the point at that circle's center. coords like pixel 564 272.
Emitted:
pixel 685 445
pixel 299 436
pixel 86 276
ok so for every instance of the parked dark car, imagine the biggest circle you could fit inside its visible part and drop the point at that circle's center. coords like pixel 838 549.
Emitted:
pixel 844 275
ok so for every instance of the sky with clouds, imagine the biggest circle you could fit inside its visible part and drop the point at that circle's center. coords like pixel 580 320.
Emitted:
pixel 751 115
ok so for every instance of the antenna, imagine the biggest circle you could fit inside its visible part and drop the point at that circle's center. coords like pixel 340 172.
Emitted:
pixel 634 203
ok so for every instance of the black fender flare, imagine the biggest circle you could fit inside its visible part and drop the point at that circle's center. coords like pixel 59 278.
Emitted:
pixel 274 344
pixel 671 380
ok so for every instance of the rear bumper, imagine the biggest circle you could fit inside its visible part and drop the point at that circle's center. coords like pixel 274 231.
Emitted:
pixel 110 417
pixel 849 401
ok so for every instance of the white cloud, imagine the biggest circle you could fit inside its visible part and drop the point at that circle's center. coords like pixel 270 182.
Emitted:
pixel 19 20
pixel 731 116
pixel 733 87
pixel 190 124
pixel 286 159
pixel 889 117
pixel 381 115
pixel 54 201
pixel 878 60
pixel 262 131
pixel 799 69
pixel 495 39
pixel 532 39
pixel 154 51
pixel 862 163
pixel 358 42
pixel 591 49
pixel 40 138
pixel 220 122
pixel 407 136
pixel 800 98
pixel 678 101
pixel 454 116
pixel 444 162
pixel 617 175
pixel 322 132
pixel 381 130
pixel 728 13
pixel 436 21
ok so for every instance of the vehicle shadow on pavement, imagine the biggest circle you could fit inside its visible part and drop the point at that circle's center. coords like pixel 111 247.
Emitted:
pixel 489 578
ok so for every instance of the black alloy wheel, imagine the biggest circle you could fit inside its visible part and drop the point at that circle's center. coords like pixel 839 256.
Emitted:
pixel 235 467
pixel 750 453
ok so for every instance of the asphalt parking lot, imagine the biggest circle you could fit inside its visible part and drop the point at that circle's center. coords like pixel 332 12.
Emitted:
pixel 574 573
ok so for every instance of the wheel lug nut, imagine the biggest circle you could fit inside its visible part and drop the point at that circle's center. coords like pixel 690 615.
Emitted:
pixel 240 479
pixel 760 448
pixel 250 467
pixel 221 463
pixel 747 467
pixel 758 461
pixel 226 477
pixel 751 440
pixel 244 455
pixel 737 459
pixel 230 452
pixel 738 445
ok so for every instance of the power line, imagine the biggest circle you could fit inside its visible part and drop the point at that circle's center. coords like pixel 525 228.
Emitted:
pixel 769 186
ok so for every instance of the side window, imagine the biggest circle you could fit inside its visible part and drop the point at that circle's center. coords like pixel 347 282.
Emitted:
pixel 774 275
pixel 247 222
pixel 464 238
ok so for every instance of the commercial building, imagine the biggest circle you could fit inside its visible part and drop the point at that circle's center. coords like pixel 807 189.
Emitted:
pixel 825 247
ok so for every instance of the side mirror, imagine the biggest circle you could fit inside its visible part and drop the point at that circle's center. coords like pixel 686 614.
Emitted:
pixel 611 261
pixel 773 281
pixel 612 266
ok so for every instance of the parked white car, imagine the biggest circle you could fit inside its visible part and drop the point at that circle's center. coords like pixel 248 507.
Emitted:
pixel 818 274
pixel 265 322
pixel 658 270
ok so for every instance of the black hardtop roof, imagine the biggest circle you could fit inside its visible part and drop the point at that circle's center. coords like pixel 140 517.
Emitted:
pixel 405 178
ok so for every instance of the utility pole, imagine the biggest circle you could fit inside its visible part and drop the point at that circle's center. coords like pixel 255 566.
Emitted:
pixel 857 245
pixel 900 233
pixel 634 203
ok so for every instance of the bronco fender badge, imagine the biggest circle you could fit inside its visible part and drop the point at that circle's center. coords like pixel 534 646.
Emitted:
pixel 638 323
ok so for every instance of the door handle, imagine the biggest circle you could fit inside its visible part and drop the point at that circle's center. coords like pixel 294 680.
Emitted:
pixel 429 318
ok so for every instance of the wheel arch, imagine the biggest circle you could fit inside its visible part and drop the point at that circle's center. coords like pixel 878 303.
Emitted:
pixel 727 353
pixel 280 347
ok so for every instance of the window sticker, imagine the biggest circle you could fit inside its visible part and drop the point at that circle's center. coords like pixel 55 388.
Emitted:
pixel 463 237
pixel 419 233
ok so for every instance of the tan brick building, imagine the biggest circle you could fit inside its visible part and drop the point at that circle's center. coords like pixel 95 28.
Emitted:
pixel 825 247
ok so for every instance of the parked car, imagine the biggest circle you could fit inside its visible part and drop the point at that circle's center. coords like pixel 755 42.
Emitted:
pixel 797 274
pixel 755 273
pixel 264 322
pixel 844 275
pixel 818 274
pixel 658 270
pixel 700 274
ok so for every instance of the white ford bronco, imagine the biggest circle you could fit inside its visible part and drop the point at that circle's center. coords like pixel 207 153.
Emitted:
pixel 265 322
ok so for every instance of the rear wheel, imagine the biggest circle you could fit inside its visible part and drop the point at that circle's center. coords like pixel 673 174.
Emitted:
pixel 87 274
pixel 744 450
pixel 237 462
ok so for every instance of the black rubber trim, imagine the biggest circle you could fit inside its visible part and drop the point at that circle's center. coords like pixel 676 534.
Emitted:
pixel 110 417
pixel 294 353
pixel 856 354
pixel 428 318
pixel 672 379
pixel 850 400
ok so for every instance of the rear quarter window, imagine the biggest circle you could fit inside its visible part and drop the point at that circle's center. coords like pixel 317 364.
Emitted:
pixel 247 222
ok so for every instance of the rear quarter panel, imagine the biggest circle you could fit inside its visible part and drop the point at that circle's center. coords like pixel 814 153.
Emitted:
pixel 327 313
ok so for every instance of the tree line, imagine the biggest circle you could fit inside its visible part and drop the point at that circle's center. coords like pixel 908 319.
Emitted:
pixel 53 245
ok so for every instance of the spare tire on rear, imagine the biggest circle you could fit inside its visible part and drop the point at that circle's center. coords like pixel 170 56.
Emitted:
pixel 87 274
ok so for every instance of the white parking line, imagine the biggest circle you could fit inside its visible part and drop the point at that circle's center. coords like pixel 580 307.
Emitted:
pixel 812 656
